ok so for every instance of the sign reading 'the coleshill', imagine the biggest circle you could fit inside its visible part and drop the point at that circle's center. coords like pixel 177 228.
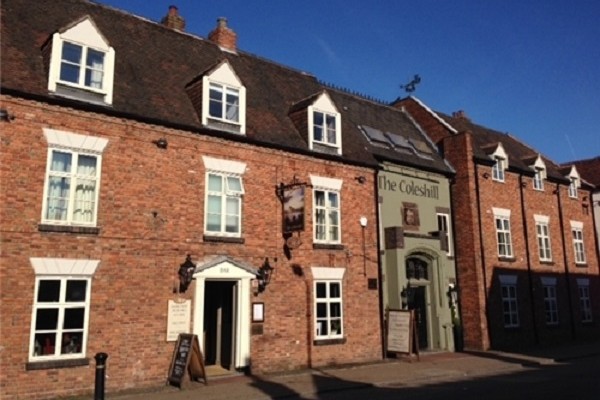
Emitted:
pixel 409 187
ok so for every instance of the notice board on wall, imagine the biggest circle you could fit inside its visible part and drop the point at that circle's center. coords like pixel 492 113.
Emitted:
pixel 401 332
pixel 187 358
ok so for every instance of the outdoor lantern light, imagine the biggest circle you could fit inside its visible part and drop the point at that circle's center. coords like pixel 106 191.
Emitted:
pixel 264 275
pixel 186 273
pixel 407 295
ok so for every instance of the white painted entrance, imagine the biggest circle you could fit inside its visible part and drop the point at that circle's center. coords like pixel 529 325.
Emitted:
pixel 222 310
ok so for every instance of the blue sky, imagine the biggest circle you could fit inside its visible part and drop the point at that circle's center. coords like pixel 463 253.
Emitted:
pixel 530 68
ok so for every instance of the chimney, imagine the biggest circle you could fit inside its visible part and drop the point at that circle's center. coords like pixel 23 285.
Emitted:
pixel 460 114
pixel 223 36
pixel 173 20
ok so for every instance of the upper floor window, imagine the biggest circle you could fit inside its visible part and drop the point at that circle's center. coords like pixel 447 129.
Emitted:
pixel 498 170
pixel 578 247
pixel 72 179
pixel 539 167
pixel 224 100
pixel 543 237
pixel 327 210
pixel 82 64
pixel 59 326
pixel 443 221
pixel 573 188
pixel 224 193
pixel 324 125
pixel 502 220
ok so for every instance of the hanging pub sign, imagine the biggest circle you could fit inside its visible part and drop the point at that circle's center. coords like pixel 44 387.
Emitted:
pixel 293 209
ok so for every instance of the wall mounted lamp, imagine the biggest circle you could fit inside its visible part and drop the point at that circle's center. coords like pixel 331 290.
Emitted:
pixel 361 179
pixel 486 175
pixel 161 143
pixel 265 272
pixel 407 295
pixel 5 115
pixel 186 273
pixel 363 221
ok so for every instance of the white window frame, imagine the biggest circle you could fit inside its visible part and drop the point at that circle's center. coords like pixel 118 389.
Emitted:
pixel 573 192
pixel 510 304
pixel 503 232
pixel 585 302
pixel 550 301
pixel 542 230
pixel 329 187
pixel 443 221
pixel 225 170
pixel 498 170
pixel 578 244
pixel 324 105
pixel 224 79
pixel 538 180
pixel 62 270
pixel 328 277
pixel 85 35
pixel 75 145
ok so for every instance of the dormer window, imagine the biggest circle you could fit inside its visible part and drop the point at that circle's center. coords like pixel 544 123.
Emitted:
pixel 223 100
pixel 575 182
pixel 82 64
pixel 540 173
pixel 498 170
pixel 501 159
pixel 324 126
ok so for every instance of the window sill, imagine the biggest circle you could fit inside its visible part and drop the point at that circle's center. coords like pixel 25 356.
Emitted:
pixel 39 365
pixel 328 342
pixel 506 259
pixel 328 246
pixel 549 263
pixel 223 239
pixel 581 265
pixel 87 230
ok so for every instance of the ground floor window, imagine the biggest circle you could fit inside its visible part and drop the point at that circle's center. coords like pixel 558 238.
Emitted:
pixel 328 310
pixel 510 311
pixel 550 304
pixel 585 302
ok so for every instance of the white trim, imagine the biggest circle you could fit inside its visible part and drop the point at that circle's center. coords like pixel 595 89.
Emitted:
pixel 434 115
pixel 576 224
pixel 324 273
pixel 74 141
pixel 325 105
pixel 64 266
pixel 542 219
pixel 224 166
pixel 225 76
pixel 323 183
pixel 501 212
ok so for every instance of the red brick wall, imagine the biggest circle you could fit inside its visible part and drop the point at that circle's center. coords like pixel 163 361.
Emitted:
pixel 150 217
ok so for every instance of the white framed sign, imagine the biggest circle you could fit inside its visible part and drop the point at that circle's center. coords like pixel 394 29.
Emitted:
pixel 178 318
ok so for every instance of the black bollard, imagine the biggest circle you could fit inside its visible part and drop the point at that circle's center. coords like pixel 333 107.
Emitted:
pixel 100 374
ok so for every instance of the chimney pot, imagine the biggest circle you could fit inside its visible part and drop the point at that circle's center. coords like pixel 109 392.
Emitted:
pixel 173 20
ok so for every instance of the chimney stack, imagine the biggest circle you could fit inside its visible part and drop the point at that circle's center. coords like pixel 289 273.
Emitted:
pixel 173 20
pixel 223 36
pixel 460 114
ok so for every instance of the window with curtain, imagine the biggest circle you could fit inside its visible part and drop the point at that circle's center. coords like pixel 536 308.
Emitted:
pixel 328 310
pixel 327 216
pixel 60 317
pixel 224 204
pixel 82 66
pixel 71 193
pixel 224 103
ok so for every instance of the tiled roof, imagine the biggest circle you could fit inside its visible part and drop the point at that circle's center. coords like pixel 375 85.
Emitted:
pixel 154 65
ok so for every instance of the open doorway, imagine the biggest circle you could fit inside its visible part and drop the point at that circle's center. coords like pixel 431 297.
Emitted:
pixel 219 323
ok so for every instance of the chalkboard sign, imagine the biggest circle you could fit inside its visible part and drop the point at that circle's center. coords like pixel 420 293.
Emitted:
pixel 187 357
pixel 401 333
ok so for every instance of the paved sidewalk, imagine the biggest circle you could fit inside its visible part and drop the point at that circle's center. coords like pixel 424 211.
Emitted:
pixel 433 368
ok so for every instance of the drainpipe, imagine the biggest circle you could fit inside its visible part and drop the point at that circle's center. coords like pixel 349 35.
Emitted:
pixel 482 253
pixel 528 255
pixel 565 260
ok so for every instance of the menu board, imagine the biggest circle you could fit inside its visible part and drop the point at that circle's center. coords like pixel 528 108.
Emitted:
pixel 186 350
pixel 399 331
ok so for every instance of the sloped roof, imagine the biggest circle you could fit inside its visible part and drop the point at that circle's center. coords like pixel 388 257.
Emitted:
pixel 154 65
pixel 589 170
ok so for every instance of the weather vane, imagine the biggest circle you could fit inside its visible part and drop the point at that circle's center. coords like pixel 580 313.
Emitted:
pixel 412 85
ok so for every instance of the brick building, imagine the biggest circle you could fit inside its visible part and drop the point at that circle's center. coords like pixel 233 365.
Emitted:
pixel 155 182
pixel 526 254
